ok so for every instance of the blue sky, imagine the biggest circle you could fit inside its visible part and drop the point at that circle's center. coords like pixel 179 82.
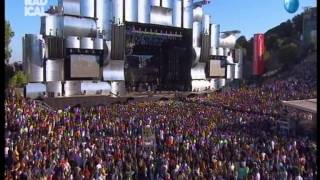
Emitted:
pixel 248 16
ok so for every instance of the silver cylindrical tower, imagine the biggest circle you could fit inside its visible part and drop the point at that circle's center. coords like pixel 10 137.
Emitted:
pixel 155 2
pixel 131 10
pixel 54 70
pixel 220 51
pixel 226 51
pixel 238 66
pixel 98 44
pixel 143 11
pixel 196 34
pixel 197 13
pixel 70 7
pixel 103 15
pixel 72 42
pixel 51 25
pixel 167 3
pixel 187 13
pixel 33 57
pixel 54 87
pixel 82 27
pixel 177 13
pixel 34 90
pixel 86 43
pixel 87 8
pixel 230 72
pixel 92 88
pixel 228 41
pixel 222 82
pixel 106 52
pixel 195 56
pixel 206 24
pixel 118 88
pixel 213 51
pixel 72 88
pixel 117 7
pixel 215 83
pixel 215 34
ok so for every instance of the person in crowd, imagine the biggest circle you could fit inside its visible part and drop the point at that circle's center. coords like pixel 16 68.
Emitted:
pixel 227 135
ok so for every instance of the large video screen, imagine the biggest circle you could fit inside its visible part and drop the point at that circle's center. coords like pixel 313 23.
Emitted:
pixel 217 69
pixel 84 66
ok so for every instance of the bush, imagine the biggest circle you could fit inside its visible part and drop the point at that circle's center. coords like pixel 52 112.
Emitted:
pixel 18 80
pixel 241 42
pixel 9 73
pixel 288 54
pixel 267 55
pixel 271 41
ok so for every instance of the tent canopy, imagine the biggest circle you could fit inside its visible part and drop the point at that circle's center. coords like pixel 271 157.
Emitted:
pixel 309 105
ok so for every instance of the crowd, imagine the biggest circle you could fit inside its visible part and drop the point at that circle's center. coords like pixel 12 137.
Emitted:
pixel 217 137
pixel 298 83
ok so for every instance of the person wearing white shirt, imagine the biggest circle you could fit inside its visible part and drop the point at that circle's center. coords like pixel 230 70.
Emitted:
pixel 298 177
pixel 257 176
pixel 6 152
pixel 272 144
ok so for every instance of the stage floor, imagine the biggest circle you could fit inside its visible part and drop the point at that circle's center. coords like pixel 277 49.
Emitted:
pixel 93 100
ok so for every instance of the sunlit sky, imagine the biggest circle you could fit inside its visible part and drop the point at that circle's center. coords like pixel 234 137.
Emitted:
pixel 248 16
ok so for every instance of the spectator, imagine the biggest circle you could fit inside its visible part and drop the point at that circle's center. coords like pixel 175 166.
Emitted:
pixel 228 135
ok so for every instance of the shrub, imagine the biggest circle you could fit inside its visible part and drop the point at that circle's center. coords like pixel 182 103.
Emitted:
pixel 18 80
pixel 288 54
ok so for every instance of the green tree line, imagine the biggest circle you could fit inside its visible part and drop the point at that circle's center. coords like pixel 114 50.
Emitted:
pixel 281 42
pixel 13 78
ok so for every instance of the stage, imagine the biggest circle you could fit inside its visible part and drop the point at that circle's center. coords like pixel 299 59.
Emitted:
pixel 94 100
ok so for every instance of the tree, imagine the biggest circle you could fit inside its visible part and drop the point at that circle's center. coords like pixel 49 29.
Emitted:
pixel 9 72
pixel 285 29
pixel 288 54
pixel 18 80
pixel 8 35
pixel 18 66
pixel 279 43
pixel 267 55
pixel 271 41
pixel 314 40
pixel 288 40
pixel 249 50
pixel 298 22
pixel 241 42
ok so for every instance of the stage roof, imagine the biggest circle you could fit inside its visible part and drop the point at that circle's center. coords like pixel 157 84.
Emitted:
pixel 309 105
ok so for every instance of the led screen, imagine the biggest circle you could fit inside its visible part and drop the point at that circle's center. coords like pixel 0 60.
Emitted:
pixel 84 66
pixel 217 69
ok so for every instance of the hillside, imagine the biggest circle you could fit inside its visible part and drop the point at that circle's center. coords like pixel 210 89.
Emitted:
pixel 305 70
pixel 283 47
